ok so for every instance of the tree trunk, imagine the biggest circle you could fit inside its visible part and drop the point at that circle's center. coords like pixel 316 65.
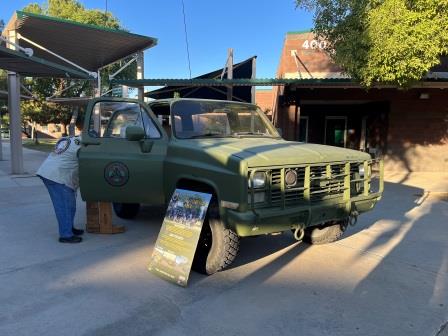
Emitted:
pixel 34 133
pixel 64 129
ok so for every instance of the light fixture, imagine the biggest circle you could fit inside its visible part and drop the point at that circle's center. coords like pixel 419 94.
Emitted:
pixel 424 95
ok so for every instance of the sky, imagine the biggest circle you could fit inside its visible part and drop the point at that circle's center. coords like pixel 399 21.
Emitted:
pixel 250 27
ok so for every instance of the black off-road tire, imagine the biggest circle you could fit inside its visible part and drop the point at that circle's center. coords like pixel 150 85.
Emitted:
pixel 217 247
pixel 126 210
pixel 324 234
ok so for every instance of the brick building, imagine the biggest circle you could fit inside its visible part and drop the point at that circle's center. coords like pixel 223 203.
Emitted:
pixel 263 98
pixel 409 128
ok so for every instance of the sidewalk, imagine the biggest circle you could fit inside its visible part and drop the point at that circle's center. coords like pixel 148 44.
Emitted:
pixel 32 161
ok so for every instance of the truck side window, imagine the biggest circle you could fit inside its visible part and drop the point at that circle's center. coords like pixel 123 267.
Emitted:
pixel 110 119
pixel 150 128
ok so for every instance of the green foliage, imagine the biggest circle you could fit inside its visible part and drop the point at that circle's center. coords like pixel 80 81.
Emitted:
pixel 46 87
pixel 382 41
pixel 3 85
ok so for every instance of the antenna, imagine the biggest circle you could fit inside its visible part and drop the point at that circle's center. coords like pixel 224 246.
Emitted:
pixel 186 38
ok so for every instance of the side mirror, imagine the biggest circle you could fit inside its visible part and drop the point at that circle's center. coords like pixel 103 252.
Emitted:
pixel 279 130
pixel 134 133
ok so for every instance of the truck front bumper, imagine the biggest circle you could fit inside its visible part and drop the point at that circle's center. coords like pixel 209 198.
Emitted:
pixel 270 220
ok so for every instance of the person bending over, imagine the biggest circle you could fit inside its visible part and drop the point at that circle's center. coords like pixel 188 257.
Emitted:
pixel 59 173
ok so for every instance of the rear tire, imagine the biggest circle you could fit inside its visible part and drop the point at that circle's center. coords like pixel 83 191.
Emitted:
pixel 324 234
pixel 126 210
pixel 217 246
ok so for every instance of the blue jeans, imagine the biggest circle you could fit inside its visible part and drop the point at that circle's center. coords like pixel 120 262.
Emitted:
pixel 64 204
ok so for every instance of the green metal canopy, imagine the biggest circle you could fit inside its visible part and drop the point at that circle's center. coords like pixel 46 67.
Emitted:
pixel 299 82
pixel 34 66
pixel 223 82
pixel 88 46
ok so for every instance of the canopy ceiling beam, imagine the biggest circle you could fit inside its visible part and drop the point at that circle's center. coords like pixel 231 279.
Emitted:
pixel 90 73
pixel 28 51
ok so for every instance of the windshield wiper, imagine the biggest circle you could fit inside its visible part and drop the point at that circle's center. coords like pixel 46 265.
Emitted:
pixel 252 133
pixel 208 134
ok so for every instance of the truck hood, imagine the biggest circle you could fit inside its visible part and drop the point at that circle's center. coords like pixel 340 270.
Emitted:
pixel 268 152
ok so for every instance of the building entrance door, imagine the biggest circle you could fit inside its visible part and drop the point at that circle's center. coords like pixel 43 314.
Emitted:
pixel 336 131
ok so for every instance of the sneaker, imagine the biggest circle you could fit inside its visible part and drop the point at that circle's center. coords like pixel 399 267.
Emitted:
pixel 77 232
pixel 70 240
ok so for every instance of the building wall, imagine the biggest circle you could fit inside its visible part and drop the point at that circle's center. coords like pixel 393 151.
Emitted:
pixel 409 132
pixel 264 99
pixel 302 56
pixel 418 132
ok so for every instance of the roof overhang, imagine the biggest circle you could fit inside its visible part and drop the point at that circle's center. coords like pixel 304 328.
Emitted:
pixel 33 66
pixel 201 82
pixel 292 83
pixel 88 46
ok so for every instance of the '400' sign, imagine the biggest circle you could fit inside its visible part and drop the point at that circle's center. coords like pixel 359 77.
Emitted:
pixel 314 44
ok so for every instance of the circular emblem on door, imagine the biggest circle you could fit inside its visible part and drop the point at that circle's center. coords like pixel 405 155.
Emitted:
pixel 116 174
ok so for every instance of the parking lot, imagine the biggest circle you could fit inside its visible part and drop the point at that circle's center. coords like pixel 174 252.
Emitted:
pixel 387 276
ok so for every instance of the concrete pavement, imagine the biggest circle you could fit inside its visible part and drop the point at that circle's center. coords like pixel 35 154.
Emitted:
pixel 387 276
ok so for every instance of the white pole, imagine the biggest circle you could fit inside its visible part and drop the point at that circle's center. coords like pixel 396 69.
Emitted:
pixel 1 147
pixel 230 74
pixel 96 110
pixel 254 75
pixel 140 71
pixel 14 115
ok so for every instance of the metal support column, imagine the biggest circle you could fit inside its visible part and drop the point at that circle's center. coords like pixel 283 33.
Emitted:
pixel 15 121
pixel 140 73
pixel 230 73
pixel 254 76
pixel 297 121
pixel 1 148
pixel 362 146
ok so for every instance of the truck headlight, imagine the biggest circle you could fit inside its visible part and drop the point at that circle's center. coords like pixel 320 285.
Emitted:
pixel 259 180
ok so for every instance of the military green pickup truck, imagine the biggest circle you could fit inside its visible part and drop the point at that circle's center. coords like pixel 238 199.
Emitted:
pixel 135 154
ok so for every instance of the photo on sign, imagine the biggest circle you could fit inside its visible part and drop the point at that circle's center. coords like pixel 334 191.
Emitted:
pixel 178 238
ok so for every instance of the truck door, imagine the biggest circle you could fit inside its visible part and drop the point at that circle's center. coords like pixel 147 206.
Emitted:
pixel 116 168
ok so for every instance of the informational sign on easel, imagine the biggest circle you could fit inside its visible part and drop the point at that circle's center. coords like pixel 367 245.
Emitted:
pixel 178 238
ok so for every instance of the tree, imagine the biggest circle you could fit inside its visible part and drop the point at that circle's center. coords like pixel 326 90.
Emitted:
pixel 46 87
pixel 382 41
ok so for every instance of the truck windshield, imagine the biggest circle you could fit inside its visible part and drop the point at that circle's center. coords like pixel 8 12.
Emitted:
pixel 197 119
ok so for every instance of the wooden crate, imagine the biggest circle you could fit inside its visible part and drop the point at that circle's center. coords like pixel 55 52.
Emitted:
pixel 99 218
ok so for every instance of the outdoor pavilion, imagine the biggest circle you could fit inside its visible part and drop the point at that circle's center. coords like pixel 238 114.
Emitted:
pixel 242 70
pixel 41 46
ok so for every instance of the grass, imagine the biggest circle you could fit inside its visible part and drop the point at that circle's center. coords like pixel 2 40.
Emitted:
pixel 44 145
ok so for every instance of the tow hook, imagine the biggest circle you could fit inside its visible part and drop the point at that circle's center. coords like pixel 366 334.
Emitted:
pixel 299 233
pixel 353 219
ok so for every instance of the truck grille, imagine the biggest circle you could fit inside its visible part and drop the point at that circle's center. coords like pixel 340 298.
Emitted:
pixel 325 182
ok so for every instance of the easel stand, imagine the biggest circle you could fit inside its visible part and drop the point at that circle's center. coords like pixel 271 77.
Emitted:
pixel 99 218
